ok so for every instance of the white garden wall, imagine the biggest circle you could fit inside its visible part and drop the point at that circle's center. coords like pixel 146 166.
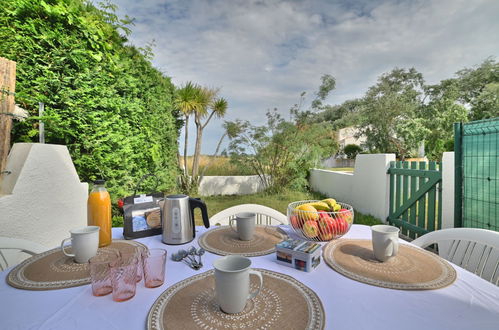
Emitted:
pixel 42 198
pixel 368 188
pixel 448 190
pixel 230 185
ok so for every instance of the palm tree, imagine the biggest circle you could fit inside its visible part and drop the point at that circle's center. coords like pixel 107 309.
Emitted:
pixel 187 101
pixel 216 107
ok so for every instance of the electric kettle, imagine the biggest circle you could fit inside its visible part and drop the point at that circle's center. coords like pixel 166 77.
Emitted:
pixel 178 218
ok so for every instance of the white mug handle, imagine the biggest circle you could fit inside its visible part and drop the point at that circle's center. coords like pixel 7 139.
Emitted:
pixel 231 221
pixel 395 247
pixel 255 293
pixel 62 247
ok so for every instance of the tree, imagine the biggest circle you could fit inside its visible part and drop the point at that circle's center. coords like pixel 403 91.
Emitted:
pixel 281 152
pixel 195 100
pixel 390 119
pixel 478 89
pixel 352 150
pixel 215 106
pixel 486 105
pixel 187 102
pixel 440 113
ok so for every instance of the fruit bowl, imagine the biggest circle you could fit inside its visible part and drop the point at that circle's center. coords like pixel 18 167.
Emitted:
pixel 320 221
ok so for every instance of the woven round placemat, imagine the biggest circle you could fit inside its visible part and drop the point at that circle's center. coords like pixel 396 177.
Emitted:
pixel 224 240
pixel 52 270
pixel 283 303
pixel 411 269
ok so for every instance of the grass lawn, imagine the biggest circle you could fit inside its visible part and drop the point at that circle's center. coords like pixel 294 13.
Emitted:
pixel 217 165
pixel 341 169
pixel 279 202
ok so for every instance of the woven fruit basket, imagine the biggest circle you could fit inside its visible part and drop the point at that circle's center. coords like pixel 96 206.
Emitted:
pixel 320 221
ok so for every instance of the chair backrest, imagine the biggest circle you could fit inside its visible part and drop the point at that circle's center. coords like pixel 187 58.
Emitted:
pixel 264 215
pixel 13 250
pixel 476 250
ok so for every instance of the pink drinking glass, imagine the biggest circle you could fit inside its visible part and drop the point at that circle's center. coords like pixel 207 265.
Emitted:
pixel 100 273
pixel 141 251
pixel 154 267
pixel 123 277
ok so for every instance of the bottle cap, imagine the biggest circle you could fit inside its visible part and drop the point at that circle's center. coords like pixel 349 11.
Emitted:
pixel 100 181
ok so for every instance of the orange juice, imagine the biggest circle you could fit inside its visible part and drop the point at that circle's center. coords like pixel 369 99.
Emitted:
pixel 99 212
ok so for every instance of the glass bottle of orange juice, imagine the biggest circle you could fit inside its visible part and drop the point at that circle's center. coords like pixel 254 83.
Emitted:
pixel 99 211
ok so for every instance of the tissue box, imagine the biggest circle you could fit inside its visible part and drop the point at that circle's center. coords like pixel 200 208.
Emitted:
pixel 302 255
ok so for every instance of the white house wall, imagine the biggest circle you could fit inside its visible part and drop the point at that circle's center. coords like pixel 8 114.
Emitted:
pixel 42 198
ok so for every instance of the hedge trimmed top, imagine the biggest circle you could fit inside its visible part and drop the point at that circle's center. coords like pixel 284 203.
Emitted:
pixel 103 99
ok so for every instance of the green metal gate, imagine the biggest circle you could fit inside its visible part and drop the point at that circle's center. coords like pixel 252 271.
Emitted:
pixel 476 146
pixel 415 195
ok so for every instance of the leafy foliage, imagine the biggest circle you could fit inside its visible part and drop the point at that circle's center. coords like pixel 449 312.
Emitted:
pixel 281 152
pixel 400 110
pixel 390 113
pixel 199 102
pixel 352 150
pixel 103 99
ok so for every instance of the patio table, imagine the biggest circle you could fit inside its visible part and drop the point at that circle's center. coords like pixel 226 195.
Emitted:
pixel 469 303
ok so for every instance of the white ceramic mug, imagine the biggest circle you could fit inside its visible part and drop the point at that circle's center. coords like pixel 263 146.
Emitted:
pixel 385 241
pixel 84 243
pixel 245 223
pixel 232 283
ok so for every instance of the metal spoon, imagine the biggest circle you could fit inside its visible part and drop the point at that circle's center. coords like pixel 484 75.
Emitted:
pixel 179 257
pixel 193 252
pixel 184 254
pixel 189 254
pixel 200 253
pixel 176 257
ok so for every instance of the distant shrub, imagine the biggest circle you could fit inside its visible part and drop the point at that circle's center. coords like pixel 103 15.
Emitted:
pixel 352 150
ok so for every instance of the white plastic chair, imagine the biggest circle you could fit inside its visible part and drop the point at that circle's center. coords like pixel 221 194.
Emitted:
pixel 13 251
pixel 264 215
pixel 476 250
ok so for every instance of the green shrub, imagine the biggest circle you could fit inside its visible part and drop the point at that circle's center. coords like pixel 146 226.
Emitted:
pixel 103 99
pixel 352 150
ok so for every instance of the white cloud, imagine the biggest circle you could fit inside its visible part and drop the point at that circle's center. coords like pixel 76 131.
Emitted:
pixel 263 54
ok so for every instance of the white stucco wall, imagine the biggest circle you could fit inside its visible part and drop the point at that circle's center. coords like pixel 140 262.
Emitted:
pixel 367 189
pixel 42 198
pixel 448 190
pixel 333 184
pixel 230 185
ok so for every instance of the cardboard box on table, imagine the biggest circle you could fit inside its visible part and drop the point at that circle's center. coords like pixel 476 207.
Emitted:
pixel 299 254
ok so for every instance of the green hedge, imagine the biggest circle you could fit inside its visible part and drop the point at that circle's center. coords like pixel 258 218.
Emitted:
pixel 103 99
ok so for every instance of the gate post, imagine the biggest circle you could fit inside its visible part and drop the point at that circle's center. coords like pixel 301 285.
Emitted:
pixel 458 175
pixel 7 106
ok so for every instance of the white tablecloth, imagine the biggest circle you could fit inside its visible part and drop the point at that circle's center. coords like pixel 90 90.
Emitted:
pixel 469 303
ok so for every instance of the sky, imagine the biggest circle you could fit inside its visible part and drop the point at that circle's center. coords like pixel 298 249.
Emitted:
pixel 263 54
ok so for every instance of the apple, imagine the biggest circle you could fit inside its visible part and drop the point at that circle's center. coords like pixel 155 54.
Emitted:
pixel 310 229
pixel 341 226
pixel 324 215
pixel 327 228
pixel 346 215
pixel 295 221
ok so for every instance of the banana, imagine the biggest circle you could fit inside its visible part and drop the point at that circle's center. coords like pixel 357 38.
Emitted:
pixel 321 206
pixel 331 202
pixel 310 212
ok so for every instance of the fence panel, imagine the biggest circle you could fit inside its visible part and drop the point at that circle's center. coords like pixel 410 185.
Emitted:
pixel 477 174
